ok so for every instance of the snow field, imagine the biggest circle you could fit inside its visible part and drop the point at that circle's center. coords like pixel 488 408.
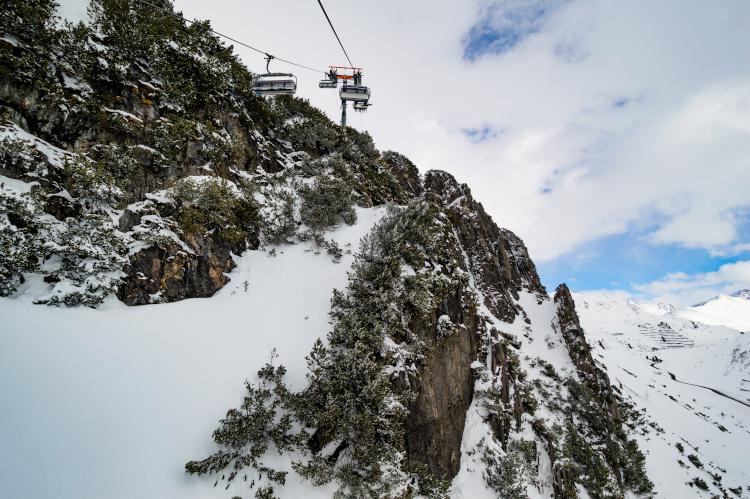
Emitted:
pixel 113 402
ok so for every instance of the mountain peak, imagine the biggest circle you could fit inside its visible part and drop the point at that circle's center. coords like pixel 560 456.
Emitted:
pixel 743 293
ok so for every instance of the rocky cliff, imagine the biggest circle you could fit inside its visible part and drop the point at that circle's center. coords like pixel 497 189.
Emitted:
pixel 136 163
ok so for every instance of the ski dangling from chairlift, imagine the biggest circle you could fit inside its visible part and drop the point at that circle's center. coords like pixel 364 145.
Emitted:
pixel 270 84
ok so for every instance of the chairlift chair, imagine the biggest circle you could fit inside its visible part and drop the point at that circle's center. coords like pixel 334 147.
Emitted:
pixel 332 80
pixel 354 93
pixel 352 90
pixel 275 84
pixel 269 84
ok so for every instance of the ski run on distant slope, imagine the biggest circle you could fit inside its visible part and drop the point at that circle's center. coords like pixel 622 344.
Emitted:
pixel 640 347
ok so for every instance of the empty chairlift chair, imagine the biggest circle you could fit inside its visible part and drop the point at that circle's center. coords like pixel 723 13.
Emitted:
pixel 274 83
pixel 355 93
pixel 328 84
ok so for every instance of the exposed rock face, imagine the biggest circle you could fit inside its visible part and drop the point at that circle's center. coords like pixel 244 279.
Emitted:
pixel 445 388
pixel 500 266
pixel 505 367
pixel 497 258
pixel 170 273
pixel 405 171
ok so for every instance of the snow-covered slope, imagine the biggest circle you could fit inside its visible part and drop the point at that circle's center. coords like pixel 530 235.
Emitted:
pixel 112 402
pixel 725 310
pixel 539 340
pixel 652 357
pixel 657 308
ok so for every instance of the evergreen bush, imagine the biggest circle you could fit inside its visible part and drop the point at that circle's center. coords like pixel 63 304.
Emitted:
pixel 247 433
pixel 87 257
pixel 21 246
pixel 505 473
pixel 214 205
pixel 277 215
pixel 326 204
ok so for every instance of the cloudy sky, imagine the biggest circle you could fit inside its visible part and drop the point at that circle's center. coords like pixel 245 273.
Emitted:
pixel 613 137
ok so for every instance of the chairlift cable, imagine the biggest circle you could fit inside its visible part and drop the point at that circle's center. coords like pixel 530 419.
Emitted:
pixel 334 32
pixel 237 41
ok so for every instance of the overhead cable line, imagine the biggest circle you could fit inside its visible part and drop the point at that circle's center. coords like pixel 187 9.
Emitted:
pixel 237 41
pixel 334 32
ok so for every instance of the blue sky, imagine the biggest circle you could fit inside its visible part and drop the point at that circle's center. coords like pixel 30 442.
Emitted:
pixel 480 134
pixel 624 260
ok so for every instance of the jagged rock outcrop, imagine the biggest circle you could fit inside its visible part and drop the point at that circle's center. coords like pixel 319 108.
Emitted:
pixel 602 413
pixel 405 172
pixel 580 353
pixel 444 388
pixel 169 272
pixel 497 258
pixel 500 267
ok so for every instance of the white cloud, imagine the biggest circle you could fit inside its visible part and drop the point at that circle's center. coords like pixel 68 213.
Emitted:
pixel 612 114
pixel 686 289
pixel 732 250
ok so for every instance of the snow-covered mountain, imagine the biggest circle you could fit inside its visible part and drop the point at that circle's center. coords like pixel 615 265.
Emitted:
pixel 726 310
pixel 659 360
pixel 655 308
pixel 205 294
pixel 723 310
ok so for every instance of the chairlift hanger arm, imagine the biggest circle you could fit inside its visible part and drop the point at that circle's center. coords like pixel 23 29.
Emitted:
pixel 348 73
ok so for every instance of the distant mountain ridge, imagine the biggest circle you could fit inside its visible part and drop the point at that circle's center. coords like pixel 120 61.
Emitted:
pixel 724 310
pixel 690 381
pixel 732 310
pixel 654 308
pixel 742 293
